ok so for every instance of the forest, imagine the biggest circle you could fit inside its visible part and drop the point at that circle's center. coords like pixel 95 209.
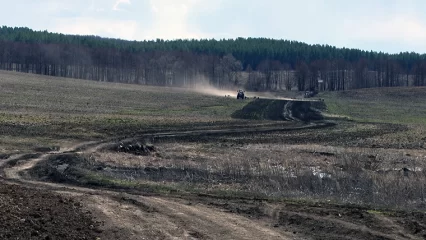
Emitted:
pixel 257 64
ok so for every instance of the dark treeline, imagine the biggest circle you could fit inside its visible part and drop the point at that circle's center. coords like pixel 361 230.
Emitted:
pixel 254 63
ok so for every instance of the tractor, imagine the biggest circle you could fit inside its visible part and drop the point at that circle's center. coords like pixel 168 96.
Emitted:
pixel 240 94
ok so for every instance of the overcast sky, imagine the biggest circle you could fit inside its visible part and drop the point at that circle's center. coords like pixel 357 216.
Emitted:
pixel 380 25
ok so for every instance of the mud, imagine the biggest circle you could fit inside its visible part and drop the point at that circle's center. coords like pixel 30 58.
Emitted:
pixel 330 221
pixel 27 213
pixel 134 214
pixel 287 110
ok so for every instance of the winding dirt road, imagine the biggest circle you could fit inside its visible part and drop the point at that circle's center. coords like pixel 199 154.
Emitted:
pixel 127 215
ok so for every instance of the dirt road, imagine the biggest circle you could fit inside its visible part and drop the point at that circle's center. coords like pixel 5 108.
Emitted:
pixel 128 215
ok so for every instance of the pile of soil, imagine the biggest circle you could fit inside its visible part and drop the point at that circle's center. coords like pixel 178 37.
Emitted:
pixel 27 213
pixel 135 148
pixel 272 109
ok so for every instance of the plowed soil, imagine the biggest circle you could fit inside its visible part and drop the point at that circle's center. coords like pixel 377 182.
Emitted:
pixel 27 213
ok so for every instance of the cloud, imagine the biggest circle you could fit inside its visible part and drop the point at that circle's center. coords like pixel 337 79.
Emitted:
pixel 406 30
pixel 94 8
pixel 118 3
pixel 170 20
pixel 391 26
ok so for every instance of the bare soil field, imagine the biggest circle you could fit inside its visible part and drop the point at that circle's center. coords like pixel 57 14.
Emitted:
pixel 27 213
pixel 86 160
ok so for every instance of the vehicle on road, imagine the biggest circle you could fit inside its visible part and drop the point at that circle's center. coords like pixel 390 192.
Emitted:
pixel 240 94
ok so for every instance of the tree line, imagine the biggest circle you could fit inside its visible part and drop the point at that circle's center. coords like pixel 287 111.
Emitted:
pixel 253 63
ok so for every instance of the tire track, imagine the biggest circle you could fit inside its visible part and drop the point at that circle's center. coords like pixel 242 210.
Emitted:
pixel 173 220
pixel 133 216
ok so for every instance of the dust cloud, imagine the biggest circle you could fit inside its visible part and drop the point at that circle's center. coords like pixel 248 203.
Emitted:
pixel 208 89
pixel 203 86
pixel 213 91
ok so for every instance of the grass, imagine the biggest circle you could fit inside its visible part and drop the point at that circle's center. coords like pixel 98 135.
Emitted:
pixel 381 212
pixel 390 105
pixel 402 106
pixel 359 161
pixel 372 177
pixel 341 175
pixel 41 94
pixel 45 109
pixel 103 181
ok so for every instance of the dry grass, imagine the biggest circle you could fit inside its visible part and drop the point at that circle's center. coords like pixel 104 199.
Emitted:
pixel 43 109
pixel 391 105
pixel 379 177
pixel 378 159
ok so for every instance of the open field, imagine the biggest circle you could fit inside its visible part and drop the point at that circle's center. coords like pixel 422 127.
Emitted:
pixel 36 109
pixel 143 162
pixel 391 105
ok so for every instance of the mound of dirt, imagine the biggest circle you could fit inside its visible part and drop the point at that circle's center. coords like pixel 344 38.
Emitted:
pixel 31 214
pixel 62 168
pixel 272 109
pixel 135 148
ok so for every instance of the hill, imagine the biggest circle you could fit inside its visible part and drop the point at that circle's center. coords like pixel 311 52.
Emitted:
pixel 188 62
pixel 129 162
pixel 39 111
pixel 392 105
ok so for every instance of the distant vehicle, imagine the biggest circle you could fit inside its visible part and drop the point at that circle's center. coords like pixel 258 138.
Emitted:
pixel 310 93
pixel 240 94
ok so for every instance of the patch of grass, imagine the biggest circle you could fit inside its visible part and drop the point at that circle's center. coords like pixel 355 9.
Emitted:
pixel 51 109
pixel 380 212
pixel 380 177
pixel 42 111
pixel 391 105
pixel 102 181
pixel 85 177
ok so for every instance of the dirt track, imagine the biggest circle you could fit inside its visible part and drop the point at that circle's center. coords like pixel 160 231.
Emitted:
pixel 135 216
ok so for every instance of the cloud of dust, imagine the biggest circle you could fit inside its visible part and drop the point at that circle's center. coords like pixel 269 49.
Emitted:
pixel 203 86
pixel 208 89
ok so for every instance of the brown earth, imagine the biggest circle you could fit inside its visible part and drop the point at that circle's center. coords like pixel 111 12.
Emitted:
pixel 27 213
pixel 60 211
pixel 134 216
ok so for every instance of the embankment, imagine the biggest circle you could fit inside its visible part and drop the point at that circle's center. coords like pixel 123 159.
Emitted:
pixel 276 109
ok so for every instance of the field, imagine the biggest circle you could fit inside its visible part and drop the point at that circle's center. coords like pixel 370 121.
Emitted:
pixel 138 162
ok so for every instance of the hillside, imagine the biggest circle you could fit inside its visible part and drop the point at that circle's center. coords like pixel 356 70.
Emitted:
pixel 282 64
pixel 41 111
pixel 392 105
pixel 130 162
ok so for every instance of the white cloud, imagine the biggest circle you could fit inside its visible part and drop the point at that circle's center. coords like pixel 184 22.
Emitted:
pixel 170 20
pixel 93 7
pixel 398 29
pixel 118 3
pixel 397 25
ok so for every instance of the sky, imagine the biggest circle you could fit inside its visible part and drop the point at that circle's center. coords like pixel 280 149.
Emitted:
pixel 380 25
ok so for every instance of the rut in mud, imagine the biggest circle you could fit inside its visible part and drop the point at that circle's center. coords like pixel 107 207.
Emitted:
pixel 134 214
pixel 276 109
pixel 116 221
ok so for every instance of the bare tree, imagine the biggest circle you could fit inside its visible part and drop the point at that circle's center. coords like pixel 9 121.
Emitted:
pixel 302 75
